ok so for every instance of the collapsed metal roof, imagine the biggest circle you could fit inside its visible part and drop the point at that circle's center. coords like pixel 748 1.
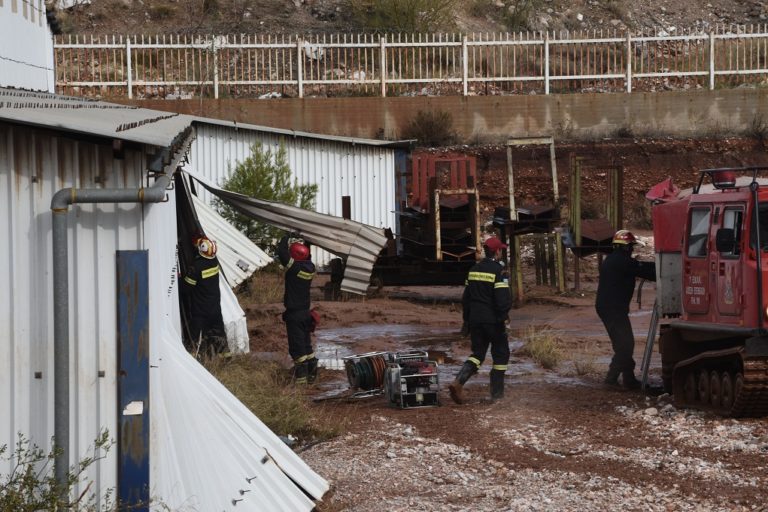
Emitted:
pixel 359 244
pixel 90 117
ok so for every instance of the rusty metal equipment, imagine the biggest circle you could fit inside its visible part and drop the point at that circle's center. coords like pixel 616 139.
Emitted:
pixel 438 235
pixel 547 253
pixel 412 380
pixel 588 236
pixel 532 225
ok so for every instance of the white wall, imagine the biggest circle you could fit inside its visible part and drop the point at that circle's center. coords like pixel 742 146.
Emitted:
pixel 26 46
pixel 34 164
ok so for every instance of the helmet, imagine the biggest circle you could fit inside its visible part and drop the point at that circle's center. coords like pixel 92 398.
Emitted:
pixel 495 244
pixel 624 237
pixel 298 251
pixel 206 248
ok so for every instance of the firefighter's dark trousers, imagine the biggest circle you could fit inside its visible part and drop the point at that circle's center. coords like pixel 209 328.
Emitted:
pixel 482 335
pixel 298 324
pixel 622 339
pixel 209 330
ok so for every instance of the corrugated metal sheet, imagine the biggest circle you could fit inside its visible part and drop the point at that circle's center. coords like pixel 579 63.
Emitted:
pixel 238 256
pixel 34 164
pixel 90 117
pixel 364 172
pixel 358 243
pixel 26 46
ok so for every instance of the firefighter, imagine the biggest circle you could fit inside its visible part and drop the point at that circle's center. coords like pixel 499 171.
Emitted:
pixel 614 293
pixel 299 322
pixel 201 290
pixel 486 301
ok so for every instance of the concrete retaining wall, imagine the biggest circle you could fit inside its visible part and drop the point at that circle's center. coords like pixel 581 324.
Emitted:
pixel 485 119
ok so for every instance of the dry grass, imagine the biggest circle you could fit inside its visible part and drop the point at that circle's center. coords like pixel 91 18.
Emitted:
pixel 585 361
pixel 265 286
pixel 542 346
pixel 266 390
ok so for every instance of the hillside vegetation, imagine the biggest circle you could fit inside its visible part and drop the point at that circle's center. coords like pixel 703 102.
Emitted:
pixel 406 16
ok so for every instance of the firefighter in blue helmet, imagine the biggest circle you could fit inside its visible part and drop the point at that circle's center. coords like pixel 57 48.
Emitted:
pixel 299 321
pixel 614 293
pixel 486 301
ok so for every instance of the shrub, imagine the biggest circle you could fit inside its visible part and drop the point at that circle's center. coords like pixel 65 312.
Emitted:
pixel 541 345
pixel 31 485
pixel 757 129
pixel 431 128
pixel 409 16
pixel 264 175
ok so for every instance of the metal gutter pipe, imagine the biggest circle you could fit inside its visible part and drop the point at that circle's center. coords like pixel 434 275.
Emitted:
pixel 60 207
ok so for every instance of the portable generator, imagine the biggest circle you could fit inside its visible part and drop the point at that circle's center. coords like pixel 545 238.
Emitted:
pixel 411 379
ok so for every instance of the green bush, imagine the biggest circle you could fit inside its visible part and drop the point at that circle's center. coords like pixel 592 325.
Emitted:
pixel 264 175
pixel 431 128
pixel 408 16
pixel 32 486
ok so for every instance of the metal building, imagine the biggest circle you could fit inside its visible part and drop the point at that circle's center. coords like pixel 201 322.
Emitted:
pixel 116 347
pixel 26 46
pixel 361 172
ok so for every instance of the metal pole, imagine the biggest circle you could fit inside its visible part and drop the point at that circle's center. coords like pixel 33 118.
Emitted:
pixel 300 67
pixel 512 208
pixel 546 63
pixel 711 61
pixel 128 63
pixel 383 65
pixel 629 62
pixel 215 69
pixel 464 64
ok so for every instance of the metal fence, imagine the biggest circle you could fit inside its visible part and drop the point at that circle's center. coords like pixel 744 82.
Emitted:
pixel 177 66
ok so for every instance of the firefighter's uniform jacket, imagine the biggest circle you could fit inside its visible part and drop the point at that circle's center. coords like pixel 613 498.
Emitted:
pixel 202 285
pixel 486 298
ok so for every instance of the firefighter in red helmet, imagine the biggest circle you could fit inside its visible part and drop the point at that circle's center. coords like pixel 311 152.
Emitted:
pixel 486 303
pixel 614 293
pixel 201 290
pixel 299 322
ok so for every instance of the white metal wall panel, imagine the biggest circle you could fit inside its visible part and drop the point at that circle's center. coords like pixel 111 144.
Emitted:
pixel 365 173
pixel 34 164
pixel 26 46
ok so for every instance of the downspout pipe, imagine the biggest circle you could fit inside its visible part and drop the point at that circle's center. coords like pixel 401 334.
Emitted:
pixel 60 207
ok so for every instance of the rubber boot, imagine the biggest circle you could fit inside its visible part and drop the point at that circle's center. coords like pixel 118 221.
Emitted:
pixel 497 385
pixel 300 373
pixel 612 377
pixel 311 370
pixel 456 388
pixel 629 381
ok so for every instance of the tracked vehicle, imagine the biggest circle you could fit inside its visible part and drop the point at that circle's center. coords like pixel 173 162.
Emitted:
pixel 711 263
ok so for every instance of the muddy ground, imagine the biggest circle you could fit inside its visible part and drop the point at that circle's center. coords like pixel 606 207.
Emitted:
pixel 559 440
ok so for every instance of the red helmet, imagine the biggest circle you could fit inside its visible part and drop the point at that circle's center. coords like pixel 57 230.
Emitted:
pixel 624 237
pixel 298 251
pixel 206 248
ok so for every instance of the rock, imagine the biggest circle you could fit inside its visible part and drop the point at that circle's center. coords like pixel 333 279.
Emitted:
pixel 651 411
pixel 391 455
pixel 580 17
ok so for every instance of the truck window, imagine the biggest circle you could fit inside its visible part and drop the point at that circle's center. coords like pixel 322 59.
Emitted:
pixel 763 219
pixel 732 218
pixel 699 232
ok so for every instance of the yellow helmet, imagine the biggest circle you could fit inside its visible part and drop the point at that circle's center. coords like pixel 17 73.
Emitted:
pixel 206 248
pixel 624 237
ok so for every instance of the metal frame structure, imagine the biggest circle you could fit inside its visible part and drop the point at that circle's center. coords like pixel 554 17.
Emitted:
pixel 475 197
pixel 449 64
pixel 530 141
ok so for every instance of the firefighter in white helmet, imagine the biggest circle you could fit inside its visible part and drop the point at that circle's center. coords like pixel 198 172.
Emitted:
pixel 201 290
pixel 614 294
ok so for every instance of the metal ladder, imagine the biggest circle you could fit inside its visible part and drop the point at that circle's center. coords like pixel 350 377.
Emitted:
pixel 650 338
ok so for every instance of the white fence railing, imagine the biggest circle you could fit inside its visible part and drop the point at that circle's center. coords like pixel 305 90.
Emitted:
pixel 433 64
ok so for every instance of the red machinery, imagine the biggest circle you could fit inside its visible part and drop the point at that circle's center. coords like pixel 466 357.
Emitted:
pixel 712 261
